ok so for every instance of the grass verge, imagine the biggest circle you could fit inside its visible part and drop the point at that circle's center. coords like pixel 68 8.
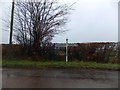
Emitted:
pixel 53 64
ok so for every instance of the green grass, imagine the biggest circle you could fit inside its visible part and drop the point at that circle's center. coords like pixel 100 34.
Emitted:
pixel 52 64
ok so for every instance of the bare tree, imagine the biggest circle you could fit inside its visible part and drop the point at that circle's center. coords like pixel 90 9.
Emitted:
pixel 36 23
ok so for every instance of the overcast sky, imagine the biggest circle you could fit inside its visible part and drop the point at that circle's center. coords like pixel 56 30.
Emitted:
pixel 91 21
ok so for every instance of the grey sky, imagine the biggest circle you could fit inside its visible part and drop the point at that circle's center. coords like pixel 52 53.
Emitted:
pixel 91 21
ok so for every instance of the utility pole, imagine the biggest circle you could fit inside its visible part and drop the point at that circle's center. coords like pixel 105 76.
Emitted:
pixel 66 50
pixel 11 24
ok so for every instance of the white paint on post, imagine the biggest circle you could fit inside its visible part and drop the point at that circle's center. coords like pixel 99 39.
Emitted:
pixel 66 50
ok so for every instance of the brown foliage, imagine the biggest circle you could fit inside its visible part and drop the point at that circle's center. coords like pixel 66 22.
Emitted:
pixel 97 52
pixel 92 52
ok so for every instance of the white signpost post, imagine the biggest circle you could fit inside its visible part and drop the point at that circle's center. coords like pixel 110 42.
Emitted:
pixel 66 50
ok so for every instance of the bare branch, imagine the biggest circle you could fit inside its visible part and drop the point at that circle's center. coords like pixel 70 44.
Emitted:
pixel 36 23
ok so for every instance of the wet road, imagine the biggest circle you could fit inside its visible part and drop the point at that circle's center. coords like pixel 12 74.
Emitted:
pixel 59 78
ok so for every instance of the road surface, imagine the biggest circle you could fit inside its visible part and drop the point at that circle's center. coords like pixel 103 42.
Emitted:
pixel 59 78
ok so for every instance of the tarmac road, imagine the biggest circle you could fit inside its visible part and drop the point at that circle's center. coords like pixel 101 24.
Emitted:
pixel 59 78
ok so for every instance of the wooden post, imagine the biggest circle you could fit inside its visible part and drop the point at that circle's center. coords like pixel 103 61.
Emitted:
pixel 11 24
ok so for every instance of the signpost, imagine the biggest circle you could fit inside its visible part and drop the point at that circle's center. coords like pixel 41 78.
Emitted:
pixel 66 50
